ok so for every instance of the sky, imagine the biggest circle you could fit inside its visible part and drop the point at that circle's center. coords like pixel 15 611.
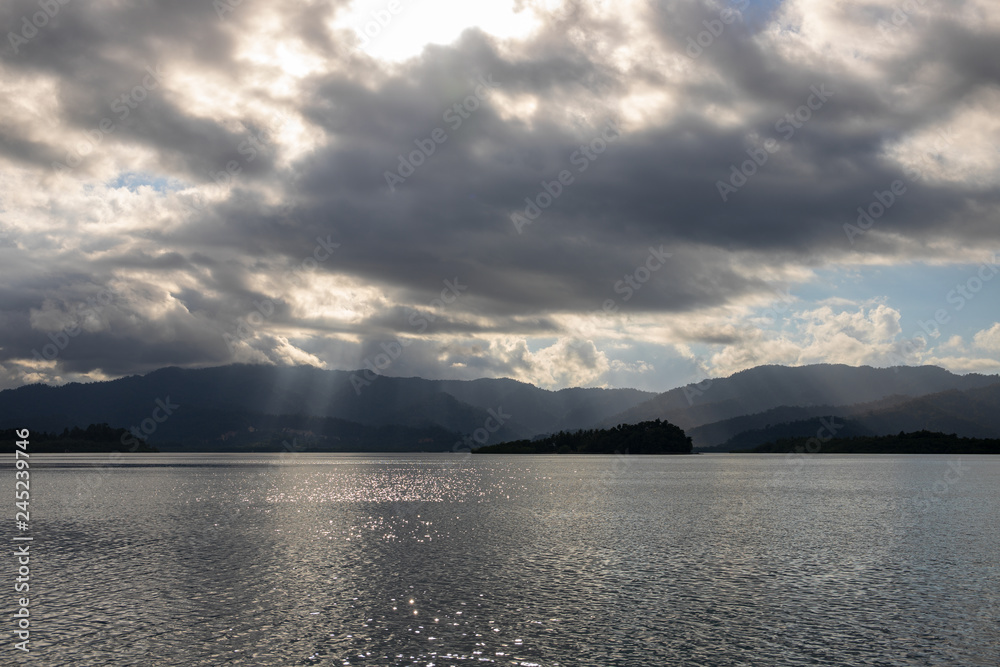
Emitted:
pixel 640 193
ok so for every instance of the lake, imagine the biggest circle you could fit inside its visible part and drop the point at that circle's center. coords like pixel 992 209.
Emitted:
pixel 436 559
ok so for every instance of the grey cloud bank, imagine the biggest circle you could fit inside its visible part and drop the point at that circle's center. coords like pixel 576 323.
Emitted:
pixel 473 159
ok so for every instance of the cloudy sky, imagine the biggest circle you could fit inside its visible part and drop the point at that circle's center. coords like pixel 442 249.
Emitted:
pixel 568 192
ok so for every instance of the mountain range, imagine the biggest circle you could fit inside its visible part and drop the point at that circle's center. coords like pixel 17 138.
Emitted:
pixel 970 413
pixel 270 407
pixel 239 406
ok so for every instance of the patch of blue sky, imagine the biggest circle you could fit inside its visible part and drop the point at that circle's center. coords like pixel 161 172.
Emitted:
pixel 918 291
pixel 132 181
pixel 758 12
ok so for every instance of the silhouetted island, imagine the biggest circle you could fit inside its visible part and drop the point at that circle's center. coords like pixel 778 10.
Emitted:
pixel 918 442
pixel 650 437
pixel 95 438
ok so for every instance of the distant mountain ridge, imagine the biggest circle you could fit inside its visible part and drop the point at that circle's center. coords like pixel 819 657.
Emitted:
pixel 972 413
pixel 765 388
pixel 721 433
pixel 266 407
pixel 213 402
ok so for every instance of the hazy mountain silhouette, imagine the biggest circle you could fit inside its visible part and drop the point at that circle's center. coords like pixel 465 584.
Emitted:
pixel 246 406
pixel 972 413
pixel 216 402
pixel 718 434
pixel 768 387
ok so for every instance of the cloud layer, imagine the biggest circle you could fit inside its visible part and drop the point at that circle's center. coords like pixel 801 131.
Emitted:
pixel 193 184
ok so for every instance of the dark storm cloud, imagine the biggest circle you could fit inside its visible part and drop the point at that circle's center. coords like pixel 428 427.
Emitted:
pixel 102 51
pixel 22 150
pixel 657 185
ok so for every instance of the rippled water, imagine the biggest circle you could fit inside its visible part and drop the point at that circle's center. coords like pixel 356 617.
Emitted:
pixel 512 560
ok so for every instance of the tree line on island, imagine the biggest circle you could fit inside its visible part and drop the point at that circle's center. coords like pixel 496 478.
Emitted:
pixel 648 437
pixel 94 438
pixel 661 437
pixel 917 442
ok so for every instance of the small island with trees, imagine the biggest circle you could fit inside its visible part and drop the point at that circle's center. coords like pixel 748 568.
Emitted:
pixel 95 438
pixel 651 437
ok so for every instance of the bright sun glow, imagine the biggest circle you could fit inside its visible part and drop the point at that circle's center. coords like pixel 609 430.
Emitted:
pixel 395 30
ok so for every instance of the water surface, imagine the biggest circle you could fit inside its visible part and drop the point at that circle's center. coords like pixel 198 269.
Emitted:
pixel 513 560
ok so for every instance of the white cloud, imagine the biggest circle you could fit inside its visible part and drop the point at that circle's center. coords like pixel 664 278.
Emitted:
pixel 966 364
pixel 866 336
pixel 562 364
pixel 988 339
